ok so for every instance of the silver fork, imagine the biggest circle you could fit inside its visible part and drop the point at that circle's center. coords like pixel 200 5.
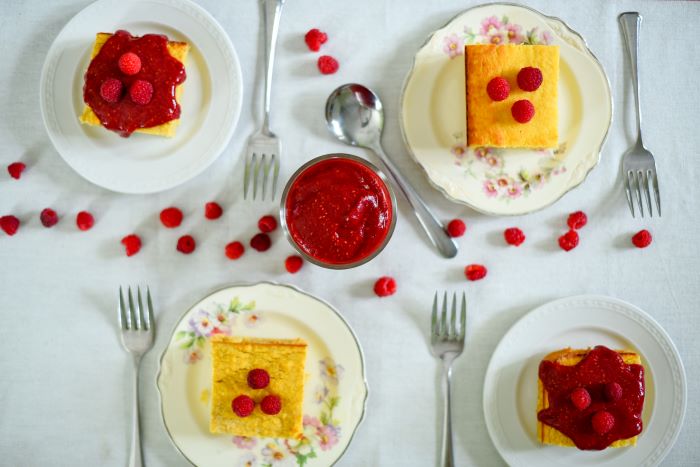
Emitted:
pixel 447 343
pixel 264 147
pixel 137 330
pixel 638 167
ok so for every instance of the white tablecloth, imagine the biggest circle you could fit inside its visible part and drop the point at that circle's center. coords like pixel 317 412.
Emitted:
pixel 64 396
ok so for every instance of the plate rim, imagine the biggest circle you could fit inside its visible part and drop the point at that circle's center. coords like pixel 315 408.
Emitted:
pixel 411 70
pixel 253 284
pixel 51 59
pixel 609 299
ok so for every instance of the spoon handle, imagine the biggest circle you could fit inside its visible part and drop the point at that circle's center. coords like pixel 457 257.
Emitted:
pixel 433 227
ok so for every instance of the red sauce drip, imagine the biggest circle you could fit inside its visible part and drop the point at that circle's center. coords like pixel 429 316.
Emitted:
pixel 338 211
pixel 599 367
pixel 158 67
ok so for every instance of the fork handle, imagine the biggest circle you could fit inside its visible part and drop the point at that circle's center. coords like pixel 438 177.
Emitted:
pixel 631 23
pixel 446 453
pixel 271 21
pixel 135 456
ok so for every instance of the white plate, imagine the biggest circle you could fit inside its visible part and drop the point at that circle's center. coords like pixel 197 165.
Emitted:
pixel 211 101
pixel 510 387
pixel 503 181
pixel 334 396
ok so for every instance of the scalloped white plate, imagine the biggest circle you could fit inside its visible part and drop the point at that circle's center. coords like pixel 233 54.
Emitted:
pixel 510 386
pixel 143 163
pixel 503 181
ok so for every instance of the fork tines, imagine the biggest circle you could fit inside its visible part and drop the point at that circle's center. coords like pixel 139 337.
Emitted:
pixel 266 162
pixel 440 328
pixel 135 317
pixel 638 181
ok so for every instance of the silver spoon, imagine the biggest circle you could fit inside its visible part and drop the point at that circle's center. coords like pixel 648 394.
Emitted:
pixel 355 115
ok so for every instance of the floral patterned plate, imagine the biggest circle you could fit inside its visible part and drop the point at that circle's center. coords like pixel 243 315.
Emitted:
pixel 503 181
pixel 335 391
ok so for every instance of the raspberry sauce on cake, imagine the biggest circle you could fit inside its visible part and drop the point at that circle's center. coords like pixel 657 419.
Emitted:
pixel 158 68
pixel 600 367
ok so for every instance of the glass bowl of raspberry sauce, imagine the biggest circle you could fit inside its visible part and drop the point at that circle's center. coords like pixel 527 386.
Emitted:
pixel 338 211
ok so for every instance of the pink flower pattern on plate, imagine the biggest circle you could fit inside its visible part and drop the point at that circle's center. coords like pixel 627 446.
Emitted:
pixel 490 25
pixel 453 45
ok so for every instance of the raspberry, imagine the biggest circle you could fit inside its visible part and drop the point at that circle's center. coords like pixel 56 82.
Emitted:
pixel 129 63
pixel 523 111
pixel 15 169
pixel 9 224
pixel 293 264
pixel 580 398
pixel 48 217
pixel 212 210
pixel 171 217
pixel 260 242
pixel 385 286
pixel 498 89
pixel 242 406
pixel 613 392
pixel 84 220
pixel 569 240
pixel 475 272
pixel 271 405
pixel 327 64
pixel 529 78
pixel 234 250
pixel 514 236
pixel 132 244
pixel 602 422
pixel 642 239
pixel 111 90
pixel 258 378
pixel 141 92
pixel 577 220
pixel 456 228
pixel 314 38
pixel 267 224
pixel 186 244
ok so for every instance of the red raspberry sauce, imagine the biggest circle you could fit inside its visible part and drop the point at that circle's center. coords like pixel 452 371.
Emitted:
pixel 158 67
pixel 338 211
pixel 599 367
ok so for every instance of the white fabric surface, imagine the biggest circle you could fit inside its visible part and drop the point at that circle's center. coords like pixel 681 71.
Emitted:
pixel 64 391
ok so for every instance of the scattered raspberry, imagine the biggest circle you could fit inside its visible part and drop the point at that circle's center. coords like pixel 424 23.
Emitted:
pixel 267 224
pixel 577 220
pixel 84 220
pixel 15 169
pixel 642 239
pixel 271 405
pixel 475 272
pixel 514 236
pixel 327 64
pixel 212 210
pixel 129 63
pixel 456 228
pixel 529 78
pixel 171 217
pixel 48 217
pixel 613 391
pixel 242 406
pixel 293 264
pixel 234 250
pixel 111 90
pixel 602 422
pixel 260 242
pixel 580 398
pixel 186 244
pixel 132 244
pixel 258 378
pixel 385 286
pixel 569 240
pixel 498 89
pixel 9 224
pixel 314 38
pixel 523 111
pixel 141 92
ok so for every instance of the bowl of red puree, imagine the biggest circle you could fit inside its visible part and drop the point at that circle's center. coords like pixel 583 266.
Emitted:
pixel 338 211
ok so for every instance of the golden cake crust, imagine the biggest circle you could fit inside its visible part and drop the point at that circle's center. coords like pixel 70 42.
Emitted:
pixel 490 123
